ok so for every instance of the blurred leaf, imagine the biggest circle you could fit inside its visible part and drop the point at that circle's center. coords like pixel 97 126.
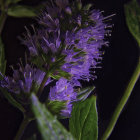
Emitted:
pixel 84 93
pixel 84 120
pixel 79 5
pixel 11 100
pixel 22 11
pixel 2 58
pixel 132 13
pixel 1 3
pixel 87 7
pixel 48 125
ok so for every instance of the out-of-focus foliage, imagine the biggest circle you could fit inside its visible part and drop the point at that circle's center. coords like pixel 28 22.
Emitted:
pixel 22 11
pixel 48 125
pixel 132 13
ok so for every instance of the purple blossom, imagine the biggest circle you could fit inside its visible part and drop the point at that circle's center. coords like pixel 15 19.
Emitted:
pixel 81 44
pixel 63 91
pixel 42 42
pixel 56 8
pixel 50 19
pixel 89 40
pixel 24 80
pixel 50 24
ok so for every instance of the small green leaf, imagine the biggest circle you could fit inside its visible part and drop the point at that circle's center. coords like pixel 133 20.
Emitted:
pixel 85 92
pixel 38 62
pixel 132 14
pixel 58 63
pixel 2 58
pixel 87 7
pixel 49 127
pixel 22 11
pixel 84 120
pixel 11 100
pixel 60 73
pixel 55 107
pixel 79 4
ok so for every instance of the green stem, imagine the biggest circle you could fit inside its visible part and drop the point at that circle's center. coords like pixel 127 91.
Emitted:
pixel 3 18
pixel 123 101
pixel 43 84
pixel 23 125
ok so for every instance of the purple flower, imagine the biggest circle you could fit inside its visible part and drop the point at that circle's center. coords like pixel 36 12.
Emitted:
pixel 24 80
pixel 42 42
pixel 88 39
pixel 63 91
pixel 79 36
pixel 78 67
pixel 50 24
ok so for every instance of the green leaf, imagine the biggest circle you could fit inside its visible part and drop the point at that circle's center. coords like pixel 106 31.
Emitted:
pixel 84 121
pixel 22 11
pixel 2 58
pixel 132 14
pixel 60 73
pixel 55 107
pixel 84 93
pixel 49 127
pixel 11 100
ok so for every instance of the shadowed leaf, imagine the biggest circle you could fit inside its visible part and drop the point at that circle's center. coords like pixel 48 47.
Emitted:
pixel 22 11
pixel 2 58
pixel 11 100
pixel 132 14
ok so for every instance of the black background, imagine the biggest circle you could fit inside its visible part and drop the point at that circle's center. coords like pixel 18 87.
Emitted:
pixel 117 67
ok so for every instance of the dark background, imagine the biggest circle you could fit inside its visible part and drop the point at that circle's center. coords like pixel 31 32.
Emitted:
pixel 118 65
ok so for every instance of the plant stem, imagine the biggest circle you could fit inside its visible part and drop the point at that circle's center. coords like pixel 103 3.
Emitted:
pixel 3 18
pixel 42 84
pixel 122 102
pixel 22 128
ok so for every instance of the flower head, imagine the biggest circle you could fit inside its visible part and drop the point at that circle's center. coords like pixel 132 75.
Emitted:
pixel 77 34
pixel 42 42
pixel 68 45
pixel 89 40
pixel 24 80
pixel 63 91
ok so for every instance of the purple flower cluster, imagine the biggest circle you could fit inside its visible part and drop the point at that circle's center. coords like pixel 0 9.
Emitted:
pixel 89 39
pixel 63 91
pixel 68 41
pixel 24 80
